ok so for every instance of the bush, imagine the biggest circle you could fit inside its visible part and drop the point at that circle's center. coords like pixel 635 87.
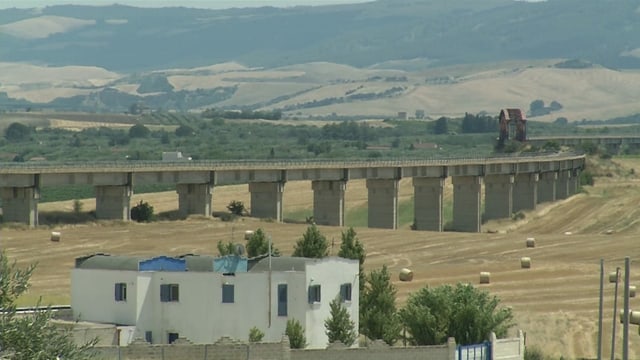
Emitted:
pixel 77 206
pixel 295 332
pixel 586 178
pixel 517 216
pixel 143 212
pixel 533 353
pixel 255 335
pixel 236 207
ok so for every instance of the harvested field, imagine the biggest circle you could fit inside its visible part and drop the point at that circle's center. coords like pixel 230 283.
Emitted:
pixel 555 301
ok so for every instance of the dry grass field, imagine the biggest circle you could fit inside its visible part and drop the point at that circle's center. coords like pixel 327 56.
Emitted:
pixel 555 301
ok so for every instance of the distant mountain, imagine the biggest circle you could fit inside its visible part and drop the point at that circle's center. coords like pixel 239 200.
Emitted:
pixel 438 32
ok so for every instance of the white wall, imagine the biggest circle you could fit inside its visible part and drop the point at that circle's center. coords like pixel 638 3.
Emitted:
pixel 93 296
pixel 330 273
pixel 200 315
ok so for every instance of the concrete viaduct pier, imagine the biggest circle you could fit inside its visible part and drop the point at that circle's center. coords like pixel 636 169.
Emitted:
pixel 511 184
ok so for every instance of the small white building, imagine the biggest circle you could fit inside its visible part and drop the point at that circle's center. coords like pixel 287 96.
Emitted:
pixel 203 298
pixel 174 156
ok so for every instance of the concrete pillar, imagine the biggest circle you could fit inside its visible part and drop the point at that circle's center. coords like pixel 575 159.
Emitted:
pixel 427 203
pixel 574 182
pixel 328 202
pixel 498 196
pixel 20 204
pixel 466 203
pixel 525 192
pixel 194 199
pixel 547 187
pixel 383 203
pixel 562 185
pixel 113 202
pixel 266 199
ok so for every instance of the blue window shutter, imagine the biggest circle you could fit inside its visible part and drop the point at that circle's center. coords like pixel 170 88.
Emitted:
pixel 282 299
pixel 310 294
pixel 118 292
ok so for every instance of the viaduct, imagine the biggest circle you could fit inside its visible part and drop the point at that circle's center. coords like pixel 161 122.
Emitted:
pixel 612 143
pixel 511 184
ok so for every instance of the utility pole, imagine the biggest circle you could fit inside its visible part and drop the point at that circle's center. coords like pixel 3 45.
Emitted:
pixel 625 325
pixel 600 307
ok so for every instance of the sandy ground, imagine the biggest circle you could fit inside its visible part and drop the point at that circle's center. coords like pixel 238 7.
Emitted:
pixel 555 301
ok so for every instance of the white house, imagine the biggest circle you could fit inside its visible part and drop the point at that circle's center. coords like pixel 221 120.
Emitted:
pixel 203 298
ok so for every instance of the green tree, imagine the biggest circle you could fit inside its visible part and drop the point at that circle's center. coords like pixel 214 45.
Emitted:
pixel 352 248
pixel 17 132
pixel 378 314
pixel 339 325
pixel 295 332
pixel 139 131
pixel 143 212
pixel 237 207
pixel 312 244
pixel 258 244
pixel 441 126
pixel 432 315
pixel 32 336
pixel 255 335
pixel 226 249
pixel 184 130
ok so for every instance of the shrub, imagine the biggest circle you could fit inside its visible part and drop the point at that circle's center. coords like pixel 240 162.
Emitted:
pixel 77 206
pixel 255 335
pixel 586 178
pixel 518 216
pixel 236 207
pixel 533 353
pixel 143 212
pixel 295 332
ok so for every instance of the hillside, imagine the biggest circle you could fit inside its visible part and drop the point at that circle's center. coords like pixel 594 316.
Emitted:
pixel 321 89
pixel 440 32
pixel 555 301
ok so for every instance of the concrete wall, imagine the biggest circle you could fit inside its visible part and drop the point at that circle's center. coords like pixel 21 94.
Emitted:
pixel 229 349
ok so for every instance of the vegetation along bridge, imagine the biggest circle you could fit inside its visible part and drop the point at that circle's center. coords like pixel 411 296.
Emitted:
pixel 511 184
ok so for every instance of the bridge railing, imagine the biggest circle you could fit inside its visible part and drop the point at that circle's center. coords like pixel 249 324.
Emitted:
pixel 212 165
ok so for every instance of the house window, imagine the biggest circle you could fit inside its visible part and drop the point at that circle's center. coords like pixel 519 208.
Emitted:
pixel 228 293
pixel 345 292
pixel 314 294
pixel 169 292
pixel 172 337
pixel 148 336
pixel 282 299
pixel 121 292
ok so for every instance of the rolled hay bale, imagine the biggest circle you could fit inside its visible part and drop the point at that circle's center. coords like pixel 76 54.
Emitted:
pixel 55 236
pixel 613 277
pixel 405 275
pixel 248 234
pixel 632 291
pixel 525 262
pixel 485 277
pixel 531 242
pixel 634 317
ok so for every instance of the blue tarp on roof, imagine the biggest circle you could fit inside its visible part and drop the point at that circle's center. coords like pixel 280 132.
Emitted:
pixel 163 263
pixel 230 264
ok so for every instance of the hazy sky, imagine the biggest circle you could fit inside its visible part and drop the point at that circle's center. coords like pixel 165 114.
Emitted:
pixel 210 4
